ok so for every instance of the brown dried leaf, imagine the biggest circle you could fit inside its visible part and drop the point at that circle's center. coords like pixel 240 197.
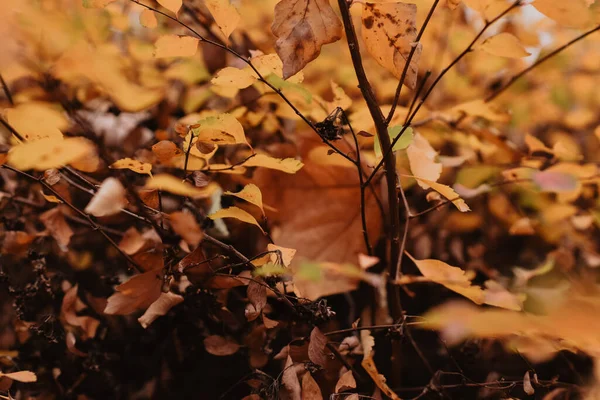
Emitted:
pixel 368 342
pixel 71 305
pixel 257 294
pixel 138 292
pixel 290 381
pixel 21 376
pixel 389 32
pixel 160 307
pixel 54 221
pixel 16 242
pixel 316 347
pixel 302 28
pixel 220 346
pixel 346 382
pixel 310 388
pixel 185 225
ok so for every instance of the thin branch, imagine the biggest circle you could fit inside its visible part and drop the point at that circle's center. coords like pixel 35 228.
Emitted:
pixel 384 139
pixel 417 94
pixel 408 60
pixel 78 211
pixel 539 62
pixel 6 91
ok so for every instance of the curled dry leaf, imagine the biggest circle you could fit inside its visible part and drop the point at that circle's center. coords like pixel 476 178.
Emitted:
pixel 527 387
pixel 389 33
pixel 290 381
pixel 108 200
pixel 160 307
pixel 257 294
pixel 287 255
pixel 302 27
pixel 220 346
pixel 137 293
pixel 421 158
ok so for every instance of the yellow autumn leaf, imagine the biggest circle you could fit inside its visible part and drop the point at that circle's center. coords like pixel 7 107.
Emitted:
pixel 287 165
pixel 236 213
pixel 478 108
pixel 175 46
pixel 234 77
pixel 421 159
pixel 368 363
pixel 572 13
pixel 287 254
pixel 171 5
pixel 97 3
pixel 489 9
pixel 37 120
pixel 134 165
pixel 225 14
pixel 504 45
pixel 174 185
pixel 220 129
pixel 451 277
pixel 148 19
pixel 447 192
pixel 389 32
pixel 251 193
pixel 49 153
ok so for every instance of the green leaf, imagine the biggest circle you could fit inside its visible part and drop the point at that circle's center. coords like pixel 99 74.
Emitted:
pixel 281 84
pixel 270 269
pixel 405 140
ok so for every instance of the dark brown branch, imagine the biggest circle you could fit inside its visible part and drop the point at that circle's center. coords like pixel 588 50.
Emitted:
pixel 384 139
pixel 6 91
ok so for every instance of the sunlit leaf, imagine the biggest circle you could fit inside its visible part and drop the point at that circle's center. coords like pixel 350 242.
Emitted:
pixel 175 46
pixel 236 213
pixel 174 185
pixel 148 19
pixel 220 129
pixel 302 27
pixel 171 5
pixel 287 165
pixel 133 165
pixel 504 45
pixel 389 33
pixel 49 153
pixel 251 193
pixel 405 140
pixel 225 14
pixel 421 158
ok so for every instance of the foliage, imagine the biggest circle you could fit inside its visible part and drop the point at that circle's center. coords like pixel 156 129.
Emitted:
pixel 299 199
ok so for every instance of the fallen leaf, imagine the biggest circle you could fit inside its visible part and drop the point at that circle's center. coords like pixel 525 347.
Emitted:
pixel 290 381
pixel 302 27
pixel 70 307
pixel 108 200
pixel 185 225
pixel 160 307
pixel 257 294
pixel 389 33
pixel 225 14
pixel 220 346
pixel 175 46
pixel 527 387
